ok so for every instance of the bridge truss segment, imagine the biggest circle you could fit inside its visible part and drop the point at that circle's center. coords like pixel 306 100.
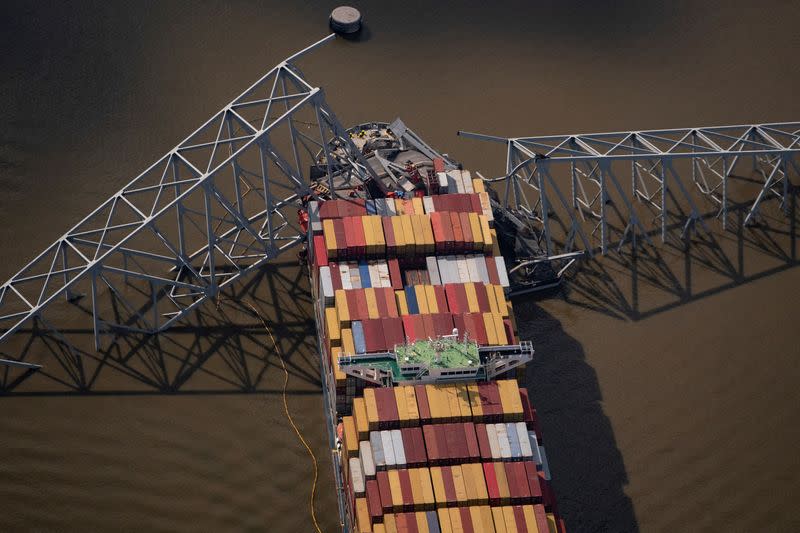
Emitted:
pixel 591 191
pixel 214 208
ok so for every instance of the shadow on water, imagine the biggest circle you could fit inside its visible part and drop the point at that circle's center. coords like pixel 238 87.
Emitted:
pixel 589 474
pixel 223 348
pixel 637 283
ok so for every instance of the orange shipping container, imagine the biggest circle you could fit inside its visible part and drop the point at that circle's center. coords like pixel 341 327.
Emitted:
pixel 499 521
pixel 411 404
pixel 458 483
pixel 372 303
pixel 348 346
pixel 338 375
pixel 482 521
pixel 340 299
pixel 472 297
pixel 350 436
pixel 477 233
pixel 402 410
pixel 402 304
pixel 372 408
pixel 444 521
pixel 430 296
pixel 332 325
pixel 491 333
pixel 330 238
pixel 362 516
pixel 511 522
pixel 408 234
pixel 369 235
pixel 360 418
pixel 422 299
pixel 438 486
pixel 397 493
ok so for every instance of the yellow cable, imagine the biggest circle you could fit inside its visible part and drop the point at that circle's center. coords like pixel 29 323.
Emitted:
pixel 286 406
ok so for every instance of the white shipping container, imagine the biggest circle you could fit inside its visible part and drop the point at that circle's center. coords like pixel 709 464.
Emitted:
pixel 494 446
pixel 524 443
pixel 374 275
pixel 427 203
pixel 367 460
pixel 472 267
pixel 545 465
pixel 344 272
pixel 313 217
pixel 441 262
pixel 391 209
pixel 486 206
pixel 383 270
pixel 502 273
pixel 355 276
pixel 537 457
pixel 388 448
pixel 443 183
pixel 483 272
pixel 397 446
pixel 455 184
pixel 502 440
pixel 376 443
pixel 452 265
pixel 357 475
pixel 433 270
pixel 326 284
pixel 463 269
pixel 466 179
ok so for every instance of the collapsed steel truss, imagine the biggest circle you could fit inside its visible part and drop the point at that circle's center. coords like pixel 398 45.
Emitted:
pixel 215 207
pixel 569 187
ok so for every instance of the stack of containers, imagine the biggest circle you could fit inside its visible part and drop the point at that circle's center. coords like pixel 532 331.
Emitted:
pixel 425 457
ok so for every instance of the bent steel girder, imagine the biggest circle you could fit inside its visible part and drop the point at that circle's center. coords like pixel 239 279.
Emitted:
pixel 572 185
pixel 211 210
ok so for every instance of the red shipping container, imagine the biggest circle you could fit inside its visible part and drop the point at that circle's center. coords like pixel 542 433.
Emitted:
pixel 320 253
pixel 548 498
pixel 427 323
pixel 438 165
pixel 352 303
pixel 385 491
pixel 527 411
pixel 466 228
pixel 541 517
pixel 395 277
pixel 339 233
pixel 460 325
pixel 419 445
pixel 422 404
pixel 483 298
pixel 408 327
pixel 391 302
pixel 360 239
pixel 392 332
pixel 491 484
pixel 461 297
pixel 516 471
pixel 336 276
pixel 373 335
pixel 473 449
pixel 483 442
pixel 439 237
pixel 361 304
pixel 452 443
pixel 476 328
pixel 380 302
pixel 327 210
pixel 532 477
pixel 388 236
pixel 441 298
pixel 519 518
pixel 452 298
pixel 490 401
pixel 458 233
pixel 431 442
pixel 385 398
pixel 405 490
pixel 509 328
pixel 409 446
pixel 465 202
pixel 466 521
pixel 491 267
pixel 441 443
pixel 475 203
pixel 374 501
pixel 449 486
pixel 347 246
pixel 447 227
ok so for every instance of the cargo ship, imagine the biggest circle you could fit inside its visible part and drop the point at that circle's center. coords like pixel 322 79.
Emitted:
pixel 429 428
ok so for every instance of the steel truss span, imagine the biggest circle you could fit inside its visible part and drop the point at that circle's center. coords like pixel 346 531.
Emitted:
pixel 211 210
pixel 594 191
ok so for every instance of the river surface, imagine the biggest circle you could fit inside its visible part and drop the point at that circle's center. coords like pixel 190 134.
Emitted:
pixel 662 410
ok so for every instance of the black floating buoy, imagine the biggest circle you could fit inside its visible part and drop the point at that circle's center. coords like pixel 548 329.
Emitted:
pixel 345 19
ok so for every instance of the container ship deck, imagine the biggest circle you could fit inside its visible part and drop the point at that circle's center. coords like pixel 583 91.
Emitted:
pixel 430 431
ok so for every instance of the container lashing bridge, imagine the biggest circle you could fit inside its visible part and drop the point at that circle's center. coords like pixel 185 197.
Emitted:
pixel 224 202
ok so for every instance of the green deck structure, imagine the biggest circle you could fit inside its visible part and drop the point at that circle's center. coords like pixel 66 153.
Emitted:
pixel 439 353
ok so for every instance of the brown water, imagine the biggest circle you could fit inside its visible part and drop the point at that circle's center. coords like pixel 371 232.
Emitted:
pixel 662 411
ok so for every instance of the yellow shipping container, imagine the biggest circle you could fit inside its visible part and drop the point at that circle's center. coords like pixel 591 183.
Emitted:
pixel 463 401
pixel 478 186
pixel 470 485
pixel 417 495
pixel 551 523
pixel 510 399
pixel 500 329
pixel 502 303
pixel 402 304
pixel 418 207
pixel 340 299
pixel 430 296
pixel 397 493
pixel 372 408
pixel 411 405
pixel 502 483
pixel 486 233
pixel 372 303
pixel 338 375
pixel 492 297
pixel 377 231
pixel 419 240
pixel 330 238
pixel 438 486
pixel 479 483
pixel 444 521
pixel 427 230
pixel 478 242
pixel 390 523
pixel 499 521
pixel 491 333
pixel 422 522
pixel 511 522
pixel 360 418
pixel 348 346
pixel 362 516
pixel 472 297
pixel 422 299
pixel 482 520
pixel 427 488
pixel 332 325
pixel 369 234
pixel 408 234
pixel 378 528
pixel 455 520
pixel 350 436
pixel 475 402
pixel 435 403
pixel 495 244
pixel 458 483
pixel 402 410
pixel 399 235
pixel 530 518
